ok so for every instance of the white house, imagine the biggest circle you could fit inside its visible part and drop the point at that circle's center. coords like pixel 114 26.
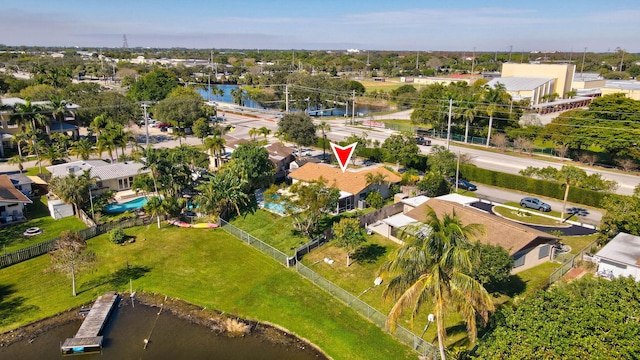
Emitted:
pixel 116 177
pixel 620 257
pixel 12 202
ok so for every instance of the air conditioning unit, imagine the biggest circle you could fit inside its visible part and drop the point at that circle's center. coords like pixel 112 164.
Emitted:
pixel 362 204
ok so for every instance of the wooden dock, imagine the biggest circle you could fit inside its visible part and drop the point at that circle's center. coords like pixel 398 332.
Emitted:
pixel 89 336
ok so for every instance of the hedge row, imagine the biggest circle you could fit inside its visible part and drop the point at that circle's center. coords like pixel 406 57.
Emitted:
pixel 533 186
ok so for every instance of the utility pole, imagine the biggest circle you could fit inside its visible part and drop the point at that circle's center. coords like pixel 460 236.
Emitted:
pixel 449 123
pixel 584 55
pixel 510 50
pixel 146 121
pixel 211 65
pixel 621 59
pixel 473 60
pixel 417 56
pixel 353 107
pixel 286 98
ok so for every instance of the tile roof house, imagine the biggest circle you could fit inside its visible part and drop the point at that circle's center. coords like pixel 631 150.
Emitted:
pixel 527 246
pixel 352 183
pixel 281 156
pixel 620 257
pixel 12 202
pixel 116 177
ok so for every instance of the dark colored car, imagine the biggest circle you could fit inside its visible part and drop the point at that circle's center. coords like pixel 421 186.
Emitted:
pixel 421 140
pixel 535 203
pixel 464 184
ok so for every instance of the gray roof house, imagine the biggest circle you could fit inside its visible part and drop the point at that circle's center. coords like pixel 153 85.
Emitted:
pixel 116 177
pixel 620 257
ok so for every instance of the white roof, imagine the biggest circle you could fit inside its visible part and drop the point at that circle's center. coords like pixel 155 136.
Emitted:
pixel 516 83
pixel 457 198
pixel 344 194
pixel 99 168
pixel 416 200
pixel 622 84
pixel 623 248
pixel 399 220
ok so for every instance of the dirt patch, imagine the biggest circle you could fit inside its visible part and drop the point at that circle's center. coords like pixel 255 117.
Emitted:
pixel 209 318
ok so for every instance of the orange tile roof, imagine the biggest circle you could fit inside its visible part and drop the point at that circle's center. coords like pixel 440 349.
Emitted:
pixel 499 231
pixel 351 181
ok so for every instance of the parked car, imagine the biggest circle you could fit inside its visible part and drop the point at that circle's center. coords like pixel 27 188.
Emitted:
pixel 163 125
pixel 535 203
pixel 464 184
pixel 421 140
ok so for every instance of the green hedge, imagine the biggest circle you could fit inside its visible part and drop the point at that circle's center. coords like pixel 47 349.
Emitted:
pixel 529 185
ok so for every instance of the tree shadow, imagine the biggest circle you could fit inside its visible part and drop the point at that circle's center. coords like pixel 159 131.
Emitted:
pixel 369 253
pixel 118 279
pixel 11 308
pixel 512 287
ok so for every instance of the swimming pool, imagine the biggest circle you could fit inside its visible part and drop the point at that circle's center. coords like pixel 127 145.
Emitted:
pixel 129 205
pixel 275 207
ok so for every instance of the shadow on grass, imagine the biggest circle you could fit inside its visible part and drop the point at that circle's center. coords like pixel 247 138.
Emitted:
pixel 11 309
pixel 514 286
pixel 369 253
pixel 118 279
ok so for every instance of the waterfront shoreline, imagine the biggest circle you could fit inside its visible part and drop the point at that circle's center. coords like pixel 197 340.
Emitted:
pixel 209 318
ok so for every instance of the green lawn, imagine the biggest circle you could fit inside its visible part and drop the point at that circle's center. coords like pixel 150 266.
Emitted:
pixel 11 237
pixel 208 268
pixel 537 278
pixel 273 229
pixel 527 217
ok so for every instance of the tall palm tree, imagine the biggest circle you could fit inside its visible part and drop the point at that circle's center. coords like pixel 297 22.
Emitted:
pixel 36 144
pixel 82 149
pixel 215 147
pixel 152 161
pixel 494 97
pixel 238 95
pixel 324 127
pixel 221 192
pixel 155 207
pixel 58 107
pixel 376 179
pixel 264 131
pixel 17 160
pixel 25 113
pixel 469 115
pixel 432 267
pixel 70 189
pixel 19 139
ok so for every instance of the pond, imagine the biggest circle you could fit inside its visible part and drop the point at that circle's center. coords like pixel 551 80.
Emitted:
pixel 170 337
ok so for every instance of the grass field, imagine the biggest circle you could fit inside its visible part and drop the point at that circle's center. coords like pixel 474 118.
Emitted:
pixel 11 237
pixel 208 268
pixel 273 229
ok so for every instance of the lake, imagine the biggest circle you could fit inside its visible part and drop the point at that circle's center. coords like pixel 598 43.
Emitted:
pixel 170 337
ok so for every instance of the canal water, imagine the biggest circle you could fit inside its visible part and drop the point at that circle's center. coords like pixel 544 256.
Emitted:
pixel 339 110
pixel 170 338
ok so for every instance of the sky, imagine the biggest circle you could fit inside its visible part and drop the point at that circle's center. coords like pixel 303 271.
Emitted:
pixel 486 25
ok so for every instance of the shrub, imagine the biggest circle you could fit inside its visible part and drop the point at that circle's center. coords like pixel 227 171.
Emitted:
pixel 117 236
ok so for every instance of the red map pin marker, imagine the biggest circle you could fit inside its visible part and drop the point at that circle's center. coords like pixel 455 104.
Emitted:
pixel 343 154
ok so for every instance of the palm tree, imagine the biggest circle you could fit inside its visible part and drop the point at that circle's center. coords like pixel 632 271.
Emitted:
pixel 58 107
pixel 82 149
pixel 238 95
pixel 18 139
pixel 432 266
pixel 70 189
pixel 469 115
pixel 155 207
pixel 215 147
pixel 36 144
pixel 494 97
pixel 25 113
pixel 151 161
pixel 324 127
pixel 222 191
pixel 253 132
pixel 17 160
pixel 264 131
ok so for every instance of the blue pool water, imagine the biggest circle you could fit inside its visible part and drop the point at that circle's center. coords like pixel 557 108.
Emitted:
pixel 275 207
pixel 129 205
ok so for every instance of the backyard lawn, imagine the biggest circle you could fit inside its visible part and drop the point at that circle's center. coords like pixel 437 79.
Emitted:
pixel 273 229
pixel 208 268
pixel 12 238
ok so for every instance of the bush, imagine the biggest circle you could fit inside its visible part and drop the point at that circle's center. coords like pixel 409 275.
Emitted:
pixel 117 236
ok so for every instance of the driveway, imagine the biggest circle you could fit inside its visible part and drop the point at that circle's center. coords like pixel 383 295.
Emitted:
pixel 571 230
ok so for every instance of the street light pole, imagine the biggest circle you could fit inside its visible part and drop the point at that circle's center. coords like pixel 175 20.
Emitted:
pixel 430 319
pixel 146 122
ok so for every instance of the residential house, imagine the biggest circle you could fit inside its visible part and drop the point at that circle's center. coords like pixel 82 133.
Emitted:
pixel 527 246
pixel 12 202
pixel 22 183
pixel 116 177
pixel 7 130
pixel 281 156
pixel 620 257
pixel 352 183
